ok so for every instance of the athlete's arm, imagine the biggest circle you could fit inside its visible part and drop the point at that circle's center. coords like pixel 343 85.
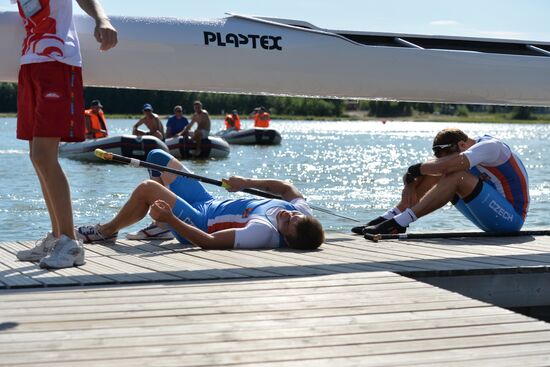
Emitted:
pixel 285 190
pixel 445 165
pixel 104 32
pixel 160 127
pixel 137 125
pixel 221 240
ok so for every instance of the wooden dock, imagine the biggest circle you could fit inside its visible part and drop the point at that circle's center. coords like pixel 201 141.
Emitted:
pixel 353 303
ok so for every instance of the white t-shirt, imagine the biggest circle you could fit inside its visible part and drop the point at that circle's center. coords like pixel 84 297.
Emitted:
pixel 51 33
pixel 262 229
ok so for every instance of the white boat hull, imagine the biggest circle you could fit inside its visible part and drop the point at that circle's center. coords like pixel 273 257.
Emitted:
pixel 181 147
pixel 255 56
pixel 253 136
pixel 130 146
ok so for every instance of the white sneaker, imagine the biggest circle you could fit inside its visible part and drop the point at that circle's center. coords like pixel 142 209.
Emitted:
pixel 91 234
pixel 151 232
pixel 40 249
pixel 65 254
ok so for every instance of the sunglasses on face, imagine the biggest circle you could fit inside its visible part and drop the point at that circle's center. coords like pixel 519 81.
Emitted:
pixel 440 149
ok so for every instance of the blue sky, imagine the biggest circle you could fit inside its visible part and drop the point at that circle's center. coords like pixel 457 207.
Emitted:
pixel 527 19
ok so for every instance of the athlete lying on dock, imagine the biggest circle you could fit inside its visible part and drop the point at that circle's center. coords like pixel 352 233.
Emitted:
pixel 195 217
pixel 482 177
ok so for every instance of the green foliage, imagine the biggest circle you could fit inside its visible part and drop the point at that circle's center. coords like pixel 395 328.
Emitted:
pixel 462 111
pixel 128 101
pixel 8 97
pixel 521 113
pixel 389 109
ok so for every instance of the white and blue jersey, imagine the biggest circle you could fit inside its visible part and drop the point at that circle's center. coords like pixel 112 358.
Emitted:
pixel 500 202
pixel 254 220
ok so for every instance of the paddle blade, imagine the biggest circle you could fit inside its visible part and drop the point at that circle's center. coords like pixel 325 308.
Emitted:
pixel 103 154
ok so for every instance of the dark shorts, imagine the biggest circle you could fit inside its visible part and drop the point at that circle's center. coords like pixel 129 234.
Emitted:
pixel 50 102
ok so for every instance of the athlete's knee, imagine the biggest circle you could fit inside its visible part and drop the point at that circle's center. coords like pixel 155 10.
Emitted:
pixel 159 156
pixel 43 160
pixel 146 189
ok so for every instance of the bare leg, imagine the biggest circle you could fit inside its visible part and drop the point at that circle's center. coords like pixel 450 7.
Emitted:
pixel 412 193
pixel 55 186
pixel 197 137
pixel 46 195
pixel 137 207
pixel 158 135
pixel 461 183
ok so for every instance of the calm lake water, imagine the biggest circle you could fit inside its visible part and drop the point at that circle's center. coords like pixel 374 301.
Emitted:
pixel 353 168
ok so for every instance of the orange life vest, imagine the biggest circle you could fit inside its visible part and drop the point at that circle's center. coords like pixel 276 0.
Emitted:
pixel 97 123
pixel 236 121
pixel 262 119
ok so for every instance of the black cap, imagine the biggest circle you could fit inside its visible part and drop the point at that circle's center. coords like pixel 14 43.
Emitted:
pixel 97 103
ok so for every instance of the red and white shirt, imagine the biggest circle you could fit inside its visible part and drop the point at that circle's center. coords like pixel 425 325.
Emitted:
pixel 51 33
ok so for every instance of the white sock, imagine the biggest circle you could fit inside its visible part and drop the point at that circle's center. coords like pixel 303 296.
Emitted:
pixel 405 218
pixel 391 213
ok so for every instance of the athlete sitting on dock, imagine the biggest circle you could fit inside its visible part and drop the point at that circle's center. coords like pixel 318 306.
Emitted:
pixel 195 217
pixel 482 177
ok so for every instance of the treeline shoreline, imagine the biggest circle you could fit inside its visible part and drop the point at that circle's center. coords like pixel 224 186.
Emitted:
pixel 127 103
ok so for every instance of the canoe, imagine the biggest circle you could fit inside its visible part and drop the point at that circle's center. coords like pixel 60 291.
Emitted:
pixel 253 136
pixel 127 145
pixel 213 147
pixel 289 57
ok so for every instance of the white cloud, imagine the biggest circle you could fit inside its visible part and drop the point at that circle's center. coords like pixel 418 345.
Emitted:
pixel 445 23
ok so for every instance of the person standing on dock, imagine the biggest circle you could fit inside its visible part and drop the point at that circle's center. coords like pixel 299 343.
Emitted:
pixel 196 218
pixel 49 110
pixel 482 177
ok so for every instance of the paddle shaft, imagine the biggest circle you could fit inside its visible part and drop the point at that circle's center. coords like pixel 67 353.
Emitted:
pixel 139 163
pixel 411 236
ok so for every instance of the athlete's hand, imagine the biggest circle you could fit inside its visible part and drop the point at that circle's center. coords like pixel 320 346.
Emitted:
pixel 161 211
pixel 105 34
pixel 235 183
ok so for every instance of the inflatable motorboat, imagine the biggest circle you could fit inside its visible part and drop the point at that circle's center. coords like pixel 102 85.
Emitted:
pixel 182 147
pixel 253 136
pixel 127 145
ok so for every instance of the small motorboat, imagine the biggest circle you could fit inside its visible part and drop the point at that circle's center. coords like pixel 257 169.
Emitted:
pixel 182 147
pixel 253 136
pixel 130 146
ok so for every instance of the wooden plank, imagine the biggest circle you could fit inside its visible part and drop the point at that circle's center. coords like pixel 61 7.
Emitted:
pixel 314 320
pixel 237 258
pixel 374 332
pixel 378 294
pixel 257 351
pixel 334 282
pixel 119 264
pixel 361 322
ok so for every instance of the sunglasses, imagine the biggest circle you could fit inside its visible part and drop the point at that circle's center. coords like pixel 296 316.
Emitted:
pixel 443 148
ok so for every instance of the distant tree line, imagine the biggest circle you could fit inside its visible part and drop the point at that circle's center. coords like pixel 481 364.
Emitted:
pixel 130 101
pixel 403 109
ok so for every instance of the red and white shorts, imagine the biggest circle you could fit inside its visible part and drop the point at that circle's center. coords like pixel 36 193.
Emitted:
pixel 50 102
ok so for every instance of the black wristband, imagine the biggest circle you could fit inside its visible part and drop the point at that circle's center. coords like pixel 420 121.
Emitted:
pixel 413 172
